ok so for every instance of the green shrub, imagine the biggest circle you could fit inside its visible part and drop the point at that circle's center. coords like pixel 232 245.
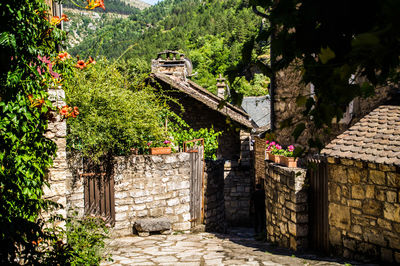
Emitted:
pixel 114 116
pixel 180 131
pixel 86 236
pixel 81 241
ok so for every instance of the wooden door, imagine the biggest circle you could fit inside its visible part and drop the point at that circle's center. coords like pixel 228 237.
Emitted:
pixel 196 187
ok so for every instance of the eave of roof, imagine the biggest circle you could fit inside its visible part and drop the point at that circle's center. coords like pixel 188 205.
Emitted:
pixel 207 98
pixel 375 138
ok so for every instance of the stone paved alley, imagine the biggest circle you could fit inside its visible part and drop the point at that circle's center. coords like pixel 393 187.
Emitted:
pixel 236 248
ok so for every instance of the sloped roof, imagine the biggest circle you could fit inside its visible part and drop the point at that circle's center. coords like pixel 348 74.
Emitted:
pixel 375 138
pixel 259 109
pixel 207 98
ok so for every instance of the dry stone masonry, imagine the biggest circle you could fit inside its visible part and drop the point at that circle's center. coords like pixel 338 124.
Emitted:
pixel 364 210
pixel 214 206
pixel 60 173
pixel 238 186
pixel 286 206
pixel 152 186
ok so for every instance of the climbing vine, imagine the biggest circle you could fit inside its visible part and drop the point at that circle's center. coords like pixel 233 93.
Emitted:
pixel 30 66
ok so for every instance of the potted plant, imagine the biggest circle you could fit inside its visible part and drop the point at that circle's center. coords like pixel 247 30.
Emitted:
pixel 289 160
pixel 274 151
pixel 159 147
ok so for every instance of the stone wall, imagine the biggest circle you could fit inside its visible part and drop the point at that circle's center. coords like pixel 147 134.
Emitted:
pixel 238 186
pixel 286 206
pixel 364 210
pixel 152 186
pixel 289 86
pixel 259 160
pixel 214 206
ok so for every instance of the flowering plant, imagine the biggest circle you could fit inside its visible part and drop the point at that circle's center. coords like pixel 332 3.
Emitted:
pixel 274 148
pixel 289 151
pixel 158 143
pixel 67 112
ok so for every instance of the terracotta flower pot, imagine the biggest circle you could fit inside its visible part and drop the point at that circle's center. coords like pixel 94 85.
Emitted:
pixel 290 162
pixel 269 156
pixel 275 158
pixel 160 150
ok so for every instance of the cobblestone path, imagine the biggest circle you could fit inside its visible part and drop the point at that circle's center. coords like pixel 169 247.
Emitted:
pixel 236 248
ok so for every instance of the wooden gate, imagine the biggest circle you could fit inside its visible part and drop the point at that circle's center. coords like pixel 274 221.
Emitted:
pixel 196 183
pixel 99 192
pixel 319 239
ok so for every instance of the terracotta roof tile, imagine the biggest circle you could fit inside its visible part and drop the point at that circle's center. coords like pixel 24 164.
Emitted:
pixel 375 138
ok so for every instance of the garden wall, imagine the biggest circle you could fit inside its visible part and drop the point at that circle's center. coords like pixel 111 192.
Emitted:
pixel 286 206
pixel 214 206
pixel 364 210
pixel 238 186
pixel 152 186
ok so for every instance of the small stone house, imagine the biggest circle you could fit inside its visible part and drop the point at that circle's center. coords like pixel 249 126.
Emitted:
pixel 202 109
pixel 364 187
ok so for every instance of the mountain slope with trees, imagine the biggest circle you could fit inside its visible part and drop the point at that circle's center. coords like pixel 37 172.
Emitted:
pixel 210 33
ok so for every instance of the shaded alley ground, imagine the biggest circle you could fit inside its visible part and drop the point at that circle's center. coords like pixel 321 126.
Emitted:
pixel 237 247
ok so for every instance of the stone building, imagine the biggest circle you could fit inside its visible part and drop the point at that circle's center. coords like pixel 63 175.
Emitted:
pixel 202 109
pixel 286 88
pixel 364 188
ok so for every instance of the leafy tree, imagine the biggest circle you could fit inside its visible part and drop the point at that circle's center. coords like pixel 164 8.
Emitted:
pixel 336 42
pixel 116 114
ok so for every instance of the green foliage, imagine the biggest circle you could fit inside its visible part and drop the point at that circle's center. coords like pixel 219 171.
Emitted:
pixel 180 131
pixel 115 114
pixel 81 241
pixel 332 42
pixel 258 86
pixel 86 238
pixel 25 153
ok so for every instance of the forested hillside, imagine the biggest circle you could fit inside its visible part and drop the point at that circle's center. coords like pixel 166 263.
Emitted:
pixel 210 33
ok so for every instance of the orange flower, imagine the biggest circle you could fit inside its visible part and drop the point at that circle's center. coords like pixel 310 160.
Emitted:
pixel 63 56
pixel 35 102
pixel 75 113
pixel 64 110
pixel 55 20
pixel 92 4
pixel 64 17
pixel 91 61
pixel 80 64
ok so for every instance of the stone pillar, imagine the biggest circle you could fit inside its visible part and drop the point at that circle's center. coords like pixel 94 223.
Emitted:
pixel 286 206
pixel 59 173
pixel 259 160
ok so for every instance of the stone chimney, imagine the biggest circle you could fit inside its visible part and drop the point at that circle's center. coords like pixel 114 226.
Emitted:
pixel 221 87
pixel 171 63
